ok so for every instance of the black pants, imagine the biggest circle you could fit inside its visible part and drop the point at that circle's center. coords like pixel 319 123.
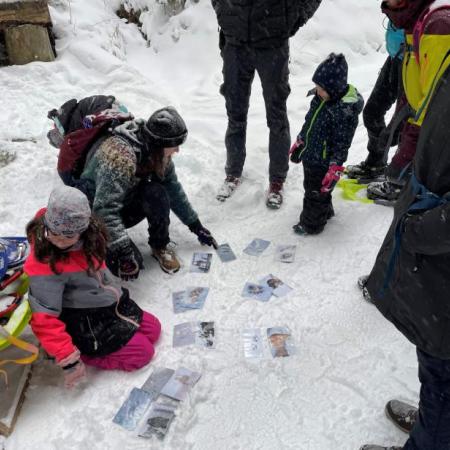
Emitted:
pixel 239 66
pixel 387 90
pixel 149 200
pixel 432 429
pixel 317 207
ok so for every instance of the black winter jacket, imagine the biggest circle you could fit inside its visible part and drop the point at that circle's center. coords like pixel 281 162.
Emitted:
pixel 329 129
pixel 262 23
pixel 415 294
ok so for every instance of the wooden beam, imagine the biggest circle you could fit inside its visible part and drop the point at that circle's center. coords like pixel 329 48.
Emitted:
pixel 22 12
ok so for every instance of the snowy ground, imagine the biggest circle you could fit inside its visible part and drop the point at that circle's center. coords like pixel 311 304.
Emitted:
pixel 350 360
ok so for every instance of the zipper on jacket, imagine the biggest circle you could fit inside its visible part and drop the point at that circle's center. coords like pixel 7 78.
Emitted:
pixel 311 125
pixel 92 332
pixel 324 151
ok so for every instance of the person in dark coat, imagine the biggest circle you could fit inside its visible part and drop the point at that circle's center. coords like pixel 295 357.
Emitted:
pixel 388 90
pixel 254 36
pixel 410 281
pixel 324 140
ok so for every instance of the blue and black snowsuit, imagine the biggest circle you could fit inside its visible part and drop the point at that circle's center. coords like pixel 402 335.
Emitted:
pixel 327 135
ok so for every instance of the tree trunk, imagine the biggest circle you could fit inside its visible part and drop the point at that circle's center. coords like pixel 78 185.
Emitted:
pixel 28 43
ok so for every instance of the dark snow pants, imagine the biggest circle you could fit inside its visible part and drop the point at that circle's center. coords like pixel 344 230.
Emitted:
pixel 387 90
pixel 432 429
pixel 149 200
pixel 239 66
pixel 317 206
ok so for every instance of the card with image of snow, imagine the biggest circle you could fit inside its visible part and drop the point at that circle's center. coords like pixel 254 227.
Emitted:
pixel 191 298
pixel 183 334
pixel 225 253
pixel 157 420
pixel 201 262
pixel 157 380
pixel 256 247
pixel 279 288
pixel 133 409
pixel 285 253
pixel 205 334
pixel 280 341
pixel 257 291
pixel 180 383
pixel 252 342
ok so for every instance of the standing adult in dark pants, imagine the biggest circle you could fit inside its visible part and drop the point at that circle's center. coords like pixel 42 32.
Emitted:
pixel 254 36
pixel 388 89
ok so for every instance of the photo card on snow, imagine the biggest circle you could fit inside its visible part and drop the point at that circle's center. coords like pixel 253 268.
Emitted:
pixel 201 262
pixel 256 247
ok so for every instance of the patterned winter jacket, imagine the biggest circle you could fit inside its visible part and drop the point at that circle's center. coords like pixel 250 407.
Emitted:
pixel 262 23
pixel 329 129
pixel 113 171
pixel 420 77
pixel 74 309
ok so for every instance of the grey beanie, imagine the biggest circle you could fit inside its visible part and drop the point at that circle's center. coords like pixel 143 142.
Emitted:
pixel 68 211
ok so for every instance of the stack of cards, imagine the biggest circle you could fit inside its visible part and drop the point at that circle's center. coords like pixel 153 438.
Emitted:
pixel 191 298
pixel 154 405
pixel 198 333
pixel 201 262
pixel 278 342
pixel 256 247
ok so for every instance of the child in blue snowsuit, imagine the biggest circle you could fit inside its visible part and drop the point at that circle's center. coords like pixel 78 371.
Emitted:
pixel 323 142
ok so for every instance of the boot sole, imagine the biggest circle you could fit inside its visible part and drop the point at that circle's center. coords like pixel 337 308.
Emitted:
pixel 170 272
pixel 273 206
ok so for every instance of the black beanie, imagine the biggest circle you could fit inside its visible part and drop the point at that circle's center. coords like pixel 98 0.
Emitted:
pixel 165 128
pixel 331 75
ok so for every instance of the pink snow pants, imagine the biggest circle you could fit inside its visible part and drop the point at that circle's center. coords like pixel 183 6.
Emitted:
pixel 134 355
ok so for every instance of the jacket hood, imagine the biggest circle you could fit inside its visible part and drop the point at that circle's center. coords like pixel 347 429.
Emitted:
pixel 407 16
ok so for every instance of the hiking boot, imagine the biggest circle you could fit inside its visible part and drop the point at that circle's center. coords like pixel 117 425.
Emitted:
pixel 401 414
pixel 383 190
pixel 364 170
pixel 167 259
pixel 378 447
pixel 228 187
pixel 298 229
pixel 275 195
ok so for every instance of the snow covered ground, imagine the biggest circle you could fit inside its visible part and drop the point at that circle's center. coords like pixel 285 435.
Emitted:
pixel 349 360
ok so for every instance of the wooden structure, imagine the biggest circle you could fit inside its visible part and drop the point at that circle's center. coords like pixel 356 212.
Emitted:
pixel 24 31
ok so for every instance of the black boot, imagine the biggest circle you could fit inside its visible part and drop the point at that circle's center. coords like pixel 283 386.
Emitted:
pixel 401 414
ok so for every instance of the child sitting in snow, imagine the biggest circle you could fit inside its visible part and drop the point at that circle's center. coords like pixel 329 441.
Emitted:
pixel 79 314
pixel 324 140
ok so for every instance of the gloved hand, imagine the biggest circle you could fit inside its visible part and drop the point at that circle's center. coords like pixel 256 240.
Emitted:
pixel 331 177
pixel 296 150
pixel 74 369
pixel 128 267
pixel 204 235
pixel 74 374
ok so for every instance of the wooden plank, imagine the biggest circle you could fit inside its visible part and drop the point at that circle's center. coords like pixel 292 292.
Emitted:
pixel 16 13
pixel 28 43
pixel 12 396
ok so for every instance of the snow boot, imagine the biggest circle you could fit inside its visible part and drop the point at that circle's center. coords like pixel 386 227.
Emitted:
pixel 298 229
pixel 364 170
pixel 384 191
pixel 402 415
pixel 362 281
pixel 330 213
pixel 275 195
pixel 167 259
pixel 379 447
pixel 228 187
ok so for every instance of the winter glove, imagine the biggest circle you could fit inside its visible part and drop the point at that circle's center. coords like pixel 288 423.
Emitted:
pixel 74 369
pixel 204 235
pixel 331 178
pixel 128 267
pixel 295 152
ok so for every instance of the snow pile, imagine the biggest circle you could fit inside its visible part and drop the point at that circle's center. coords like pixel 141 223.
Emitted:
pixel 349 360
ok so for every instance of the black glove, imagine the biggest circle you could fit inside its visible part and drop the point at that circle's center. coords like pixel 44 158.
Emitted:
pixel 204 235
pixel 128 267
pixel 125 263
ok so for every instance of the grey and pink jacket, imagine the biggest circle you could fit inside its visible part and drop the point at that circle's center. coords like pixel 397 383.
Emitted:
pixel 77 309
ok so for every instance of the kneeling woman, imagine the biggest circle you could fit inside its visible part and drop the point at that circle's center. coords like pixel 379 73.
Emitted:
pixel 80 315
